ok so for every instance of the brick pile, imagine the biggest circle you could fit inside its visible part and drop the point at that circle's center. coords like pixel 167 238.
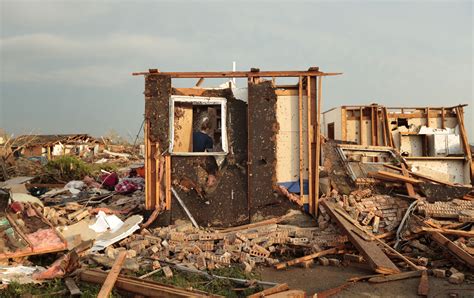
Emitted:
pixel 380 213
pixel 207 249
pixel 461 210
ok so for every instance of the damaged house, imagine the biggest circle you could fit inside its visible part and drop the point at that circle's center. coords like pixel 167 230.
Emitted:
pixel 432 140
pixel 51 146
pixel 265 145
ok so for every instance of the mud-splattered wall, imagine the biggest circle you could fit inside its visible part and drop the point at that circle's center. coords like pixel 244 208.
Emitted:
pixel 225 201
pixel 263 129
pixel 226 198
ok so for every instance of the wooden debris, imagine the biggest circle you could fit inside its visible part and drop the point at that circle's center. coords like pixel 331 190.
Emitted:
pixel 306 258
pixel 453 248
pixel 112 276
pixel 273 290
pixel 142 287
pixel 369 249
pixel 393 277
pixel 167 271
pixel 72 287
pixel 424 285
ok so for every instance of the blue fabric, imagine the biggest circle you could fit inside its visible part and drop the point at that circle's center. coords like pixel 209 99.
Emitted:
pixel 201 142
pixel 294 186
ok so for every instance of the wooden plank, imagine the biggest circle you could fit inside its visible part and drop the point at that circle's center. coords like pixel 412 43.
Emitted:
pixel 373 140
pixel 273 290
pixel 443 120
pixel 145 287
pixel 420 175
pixel 168 182
pixel 183 128
pixel 300 129
pixel 149 199
pixel 361 120
pixel 457 251
pixel 467 147
pixel 319 100
pixel 427 117
pixel 309 131
pixel 343 123
pixel 375 257
pixel 460 233
pixel 392 176
pixel 157 179
pixel 109 282
pixel 410 189
pixel 199 82
pixel 394 277
pixel 239 74
pixel 318 254
pixel 384 129
pixel 389 132
pixel 72 287
pixel 424 285
pixel 376 124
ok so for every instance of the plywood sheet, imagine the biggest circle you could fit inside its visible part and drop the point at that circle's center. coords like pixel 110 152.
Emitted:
pixel 183 128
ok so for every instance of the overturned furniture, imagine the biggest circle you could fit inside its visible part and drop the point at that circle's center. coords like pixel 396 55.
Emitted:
pixel 266 141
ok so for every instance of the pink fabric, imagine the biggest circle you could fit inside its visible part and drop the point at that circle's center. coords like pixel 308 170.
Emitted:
pixel 45 239
pixel 109 180
pixel 126 187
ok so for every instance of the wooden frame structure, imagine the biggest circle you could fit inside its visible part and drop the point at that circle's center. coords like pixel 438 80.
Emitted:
pixel 378 121
pixel 158 160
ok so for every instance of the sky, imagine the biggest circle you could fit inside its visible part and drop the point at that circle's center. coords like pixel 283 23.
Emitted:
pixel 65 66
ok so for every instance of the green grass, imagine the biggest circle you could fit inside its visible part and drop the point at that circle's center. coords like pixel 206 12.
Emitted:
pixel 222 287
pixel 56 288
pixel 52 289
pixel 69 168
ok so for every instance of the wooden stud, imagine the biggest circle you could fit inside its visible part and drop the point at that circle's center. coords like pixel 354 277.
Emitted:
pixel 410 190
pixel 157 176
pixel 112 276
pixel 168 181
pixel 443 124
pixel 300 128
pixel 361 113
pixel 309 131
pixel 387 124
pixel 372 126
pixel 465 142
pixel 384 130
pixel 148 197
pixel 319 99
pixel 427 117
pixel 376 124
pixel 199 82
pixel 343 123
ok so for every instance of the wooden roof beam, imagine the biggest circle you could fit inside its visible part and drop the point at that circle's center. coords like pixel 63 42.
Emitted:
pixel 238 74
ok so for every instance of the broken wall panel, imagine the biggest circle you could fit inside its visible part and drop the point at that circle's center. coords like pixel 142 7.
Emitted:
pixel 157 94
pixel 263 128
pixel 227 197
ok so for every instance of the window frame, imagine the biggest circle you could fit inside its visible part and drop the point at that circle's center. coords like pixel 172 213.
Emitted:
pixel 204 101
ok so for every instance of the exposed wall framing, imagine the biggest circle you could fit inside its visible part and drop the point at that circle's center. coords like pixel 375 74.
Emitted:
pixel 164 170
pixel 376 125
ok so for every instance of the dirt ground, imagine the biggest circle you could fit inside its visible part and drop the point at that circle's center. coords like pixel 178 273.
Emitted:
pixel 319 278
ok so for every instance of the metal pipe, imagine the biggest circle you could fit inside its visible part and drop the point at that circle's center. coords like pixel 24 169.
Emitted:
pixel 184 208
